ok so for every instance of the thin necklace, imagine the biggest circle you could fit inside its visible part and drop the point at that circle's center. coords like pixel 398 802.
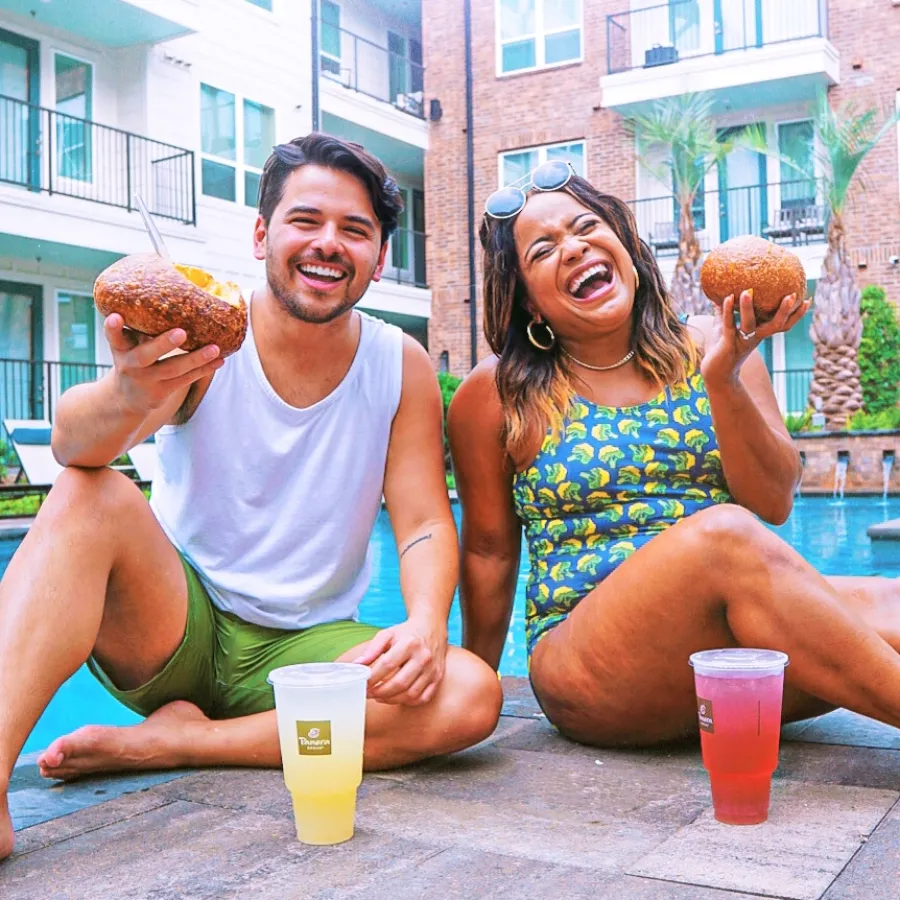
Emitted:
pixel 585 365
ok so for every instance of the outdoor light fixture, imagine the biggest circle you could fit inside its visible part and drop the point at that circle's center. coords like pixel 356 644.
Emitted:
pixel 434 110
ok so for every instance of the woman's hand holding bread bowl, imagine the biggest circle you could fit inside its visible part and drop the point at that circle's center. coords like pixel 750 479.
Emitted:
pixel 153 308
pixel 765 283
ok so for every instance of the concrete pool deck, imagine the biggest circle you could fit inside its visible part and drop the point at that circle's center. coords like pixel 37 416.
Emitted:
pixel 526 814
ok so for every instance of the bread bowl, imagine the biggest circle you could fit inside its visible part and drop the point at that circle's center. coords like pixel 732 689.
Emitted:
pixel 153 296
pixel 748 262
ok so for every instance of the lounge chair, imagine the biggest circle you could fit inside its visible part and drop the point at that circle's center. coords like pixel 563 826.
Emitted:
pixel 143 457
pixel 30 439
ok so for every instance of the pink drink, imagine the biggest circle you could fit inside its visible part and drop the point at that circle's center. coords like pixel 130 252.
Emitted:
pixel 739 696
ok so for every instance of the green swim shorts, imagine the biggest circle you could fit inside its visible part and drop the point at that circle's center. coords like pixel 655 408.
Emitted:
pixel 222 663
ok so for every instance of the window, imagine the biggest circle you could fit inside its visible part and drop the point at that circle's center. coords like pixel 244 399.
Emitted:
pixel 798 180
pixel 518 163
pixel 684 25
pixel 330 38
pixel 698 207
pixel 74 84
pixel 537 33
pixel 405 83
pixel 77 337
pixel 259 139
pixel 262 4
pixel 220 139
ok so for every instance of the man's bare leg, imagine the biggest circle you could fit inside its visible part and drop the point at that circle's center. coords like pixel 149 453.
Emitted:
pixel 463 712
pixel 95 571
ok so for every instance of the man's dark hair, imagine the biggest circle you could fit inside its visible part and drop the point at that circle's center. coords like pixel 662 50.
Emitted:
pixel 332 153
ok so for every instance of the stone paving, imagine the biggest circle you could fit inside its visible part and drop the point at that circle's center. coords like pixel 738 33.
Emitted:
pixel 524 815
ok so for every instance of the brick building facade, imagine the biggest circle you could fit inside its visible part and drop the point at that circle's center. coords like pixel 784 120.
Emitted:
pixel 847 47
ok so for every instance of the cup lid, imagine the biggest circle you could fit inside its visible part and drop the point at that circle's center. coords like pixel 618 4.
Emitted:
pixel 318 674
pixel 739 659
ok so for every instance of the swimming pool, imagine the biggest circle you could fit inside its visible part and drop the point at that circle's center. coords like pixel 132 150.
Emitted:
pixel 830 534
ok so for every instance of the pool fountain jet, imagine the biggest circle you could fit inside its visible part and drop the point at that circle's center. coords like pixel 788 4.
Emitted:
pixel 887 463
pixel 840 473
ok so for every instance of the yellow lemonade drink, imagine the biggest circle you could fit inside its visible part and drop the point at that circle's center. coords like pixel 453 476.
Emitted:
pixel 321 727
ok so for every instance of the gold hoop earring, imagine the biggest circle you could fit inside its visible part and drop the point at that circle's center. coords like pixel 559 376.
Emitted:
pixel 637 279
pixel 537 343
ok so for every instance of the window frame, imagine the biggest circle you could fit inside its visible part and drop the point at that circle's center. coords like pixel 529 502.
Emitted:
pixel 541 150
pixel 246 167
pixel 90 119
pixel 814 155
pixel 540 35
pixel 97 322
pixel 239 163
pixel 324 55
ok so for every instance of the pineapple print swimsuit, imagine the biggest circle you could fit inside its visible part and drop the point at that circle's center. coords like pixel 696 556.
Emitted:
pixel 603 486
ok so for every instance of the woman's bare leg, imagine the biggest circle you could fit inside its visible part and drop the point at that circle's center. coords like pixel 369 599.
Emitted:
pixel 616 671
pixel 875 600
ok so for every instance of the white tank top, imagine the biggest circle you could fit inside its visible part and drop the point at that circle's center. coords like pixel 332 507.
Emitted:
pixel 274 506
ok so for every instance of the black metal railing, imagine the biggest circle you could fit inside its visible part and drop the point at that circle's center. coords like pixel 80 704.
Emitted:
pixel 788 212
pixel 375 71
pixel 405 261
pixel 45 150
pixel 792 389
pixel 30 388
pixel 665 34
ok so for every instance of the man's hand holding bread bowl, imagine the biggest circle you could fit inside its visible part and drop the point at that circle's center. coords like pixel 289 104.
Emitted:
pixel 153 310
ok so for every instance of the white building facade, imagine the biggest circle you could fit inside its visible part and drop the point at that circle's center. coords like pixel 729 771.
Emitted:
pixel 180 101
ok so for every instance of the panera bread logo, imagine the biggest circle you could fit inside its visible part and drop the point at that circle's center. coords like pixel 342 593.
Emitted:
pixel 314 738
pixel 705 715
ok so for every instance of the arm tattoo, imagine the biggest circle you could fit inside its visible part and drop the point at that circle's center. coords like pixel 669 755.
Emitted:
pixel 425 537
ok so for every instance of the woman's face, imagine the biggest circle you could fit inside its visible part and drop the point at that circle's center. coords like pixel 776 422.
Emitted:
pixel 578 274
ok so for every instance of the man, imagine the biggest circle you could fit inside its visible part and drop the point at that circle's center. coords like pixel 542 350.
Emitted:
pixel 253 552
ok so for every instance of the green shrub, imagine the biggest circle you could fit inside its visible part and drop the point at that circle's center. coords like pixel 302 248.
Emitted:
pixel 20 506
pixel 797 423
pixel 449 383
pixel 886 420
pixel 879 352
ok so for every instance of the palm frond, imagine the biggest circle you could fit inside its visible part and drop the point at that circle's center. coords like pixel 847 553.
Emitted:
pixel 683 128
pixel 846 137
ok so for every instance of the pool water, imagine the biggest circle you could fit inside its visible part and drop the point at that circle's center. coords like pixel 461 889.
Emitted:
pixel 830 534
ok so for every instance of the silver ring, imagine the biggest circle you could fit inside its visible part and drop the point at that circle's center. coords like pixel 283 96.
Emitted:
pixel 746 335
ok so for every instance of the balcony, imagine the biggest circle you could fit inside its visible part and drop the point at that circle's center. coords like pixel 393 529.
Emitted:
pixel 112 23
pixel 45 151
pixel 376 72
pixel 789 212
pixel 403 288
pixel 373 87
pixel 405 263
pixel 30 388
pixel 752 52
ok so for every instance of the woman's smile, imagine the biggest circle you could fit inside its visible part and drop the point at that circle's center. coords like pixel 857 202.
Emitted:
pixel 591 281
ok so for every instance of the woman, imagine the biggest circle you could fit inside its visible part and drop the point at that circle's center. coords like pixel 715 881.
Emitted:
pixel 635 449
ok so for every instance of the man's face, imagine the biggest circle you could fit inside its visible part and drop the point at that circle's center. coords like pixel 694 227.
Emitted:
pixel 322 246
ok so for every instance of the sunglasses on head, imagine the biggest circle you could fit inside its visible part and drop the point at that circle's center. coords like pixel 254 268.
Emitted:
pixel 510 200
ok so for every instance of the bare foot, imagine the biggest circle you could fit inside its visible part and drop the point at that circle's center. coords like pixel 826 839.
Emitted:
pixel 159 742
pixel 6 829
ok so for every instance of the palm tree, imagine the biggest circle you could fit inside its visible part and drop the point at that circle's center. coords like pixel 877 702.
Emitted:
pixel 845 139
pixel 678 142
